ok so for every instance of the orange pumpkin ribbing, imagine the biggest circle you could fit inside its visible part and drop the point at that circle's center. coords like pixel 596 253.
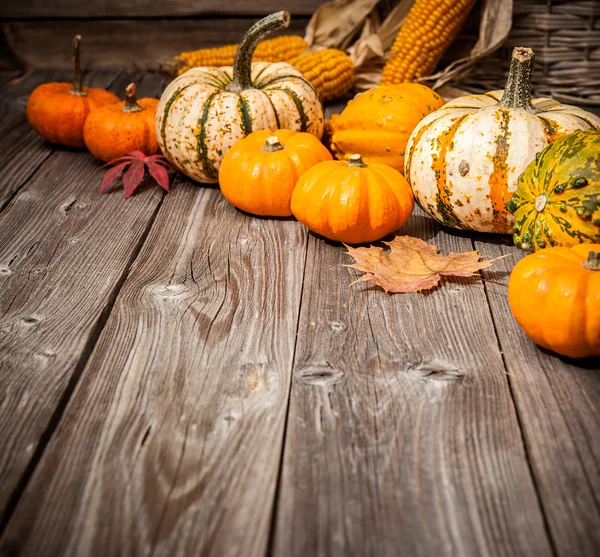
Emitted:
pixel 351 202
pixel 259 173
pixel 59 116
pixel 114 130
pixel 554 295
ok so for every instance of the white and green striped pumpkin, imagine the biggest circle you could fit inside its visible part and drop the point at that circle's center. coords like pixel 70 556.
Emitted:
pixel 463 160
pixel 204 111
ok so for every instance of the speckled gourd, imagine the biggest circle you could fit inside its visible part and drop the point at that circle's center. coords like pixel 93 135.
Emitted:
pixel 463 160
pixel 206 110
pixel 557 201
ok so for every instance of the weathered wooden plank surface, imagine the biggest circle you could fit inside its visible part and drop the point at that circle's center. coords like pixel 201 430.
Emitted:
pixel 171 444
pixel 64 249
pixel 123 43
pixel 558 403
pixel 156 8
pixel 22 151
pixel 402 437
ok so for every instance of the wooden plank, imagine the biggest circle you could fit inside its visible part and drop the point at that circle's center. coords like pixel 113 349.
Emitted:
pixel 25 9
pixel 22 151
pixel 557 401
pixel 171 443
pixel 64 249
pixel 402 437
pixel 123 43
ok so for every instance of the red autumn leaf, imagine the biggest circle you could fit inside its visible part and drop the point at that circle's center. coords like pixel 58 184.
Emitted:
pixel 160 174
pixel 111 175
pixel 133 177
pixel 412 265
pixel 134 165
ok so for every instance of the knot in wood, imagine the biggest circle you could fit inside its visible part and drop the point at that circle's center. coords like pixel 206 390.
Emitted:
pixel 435 371
pixel 320 375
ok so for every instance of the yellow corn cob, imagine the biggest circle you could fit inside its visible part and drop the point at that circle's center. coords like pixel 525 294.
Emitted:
pixel 429 28
pixel 279 49
pixel 330 71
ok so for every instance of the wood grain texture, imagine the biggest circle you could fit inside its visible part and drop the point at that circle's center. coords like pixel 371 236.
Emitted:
pixel 171 444
pixel 63 249
pixel 402 437
pixel 123 43
pixel 558 403
pixel 22 151
pixel 151 8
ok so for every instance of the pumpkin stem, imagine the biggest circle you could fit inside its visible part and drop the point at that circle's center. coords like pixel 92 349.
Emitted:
pixel 593 261
pixel 131 104
pixel 77 76
pixel 356 160
pixel 242 63
pixel 518 87
pixel 272 144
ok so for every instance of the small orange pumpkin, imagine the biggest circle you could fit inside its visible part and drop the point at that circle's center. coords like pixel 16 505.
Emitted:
pixel 352 202
pixel 57 111
pixel 114 130
pixel 259 173
pixel 554 295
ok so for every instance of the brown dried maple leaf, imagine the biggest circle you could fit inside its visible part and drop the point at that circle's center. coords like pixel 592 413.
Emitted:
pixel 412 264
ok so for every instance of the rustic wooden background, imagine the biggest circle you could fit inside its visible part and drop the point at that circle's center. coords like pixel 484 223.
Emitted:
pixel 128 33
pixel 464 441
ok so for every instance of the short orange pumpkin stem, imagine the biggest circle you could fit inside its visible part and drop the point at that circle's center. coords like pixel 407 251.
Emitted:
pixel 131 104
pixel 77 76
pixel 593 261
pixel 272 144
pixel 356 160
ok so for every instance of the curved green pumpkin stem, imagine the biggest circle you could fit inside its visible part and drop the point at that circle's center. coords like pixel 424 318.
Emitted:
pixel 77 79
pixel 518 87
pixel 593 261
pixel 242 63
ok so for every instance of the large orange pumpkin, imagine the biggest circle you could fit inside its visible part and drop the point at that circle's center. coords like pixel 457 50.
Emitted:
pixel 120 128
pixel 352 202
pixel 259 173
pixel 57 111
pixel 554 295
pixel 378 122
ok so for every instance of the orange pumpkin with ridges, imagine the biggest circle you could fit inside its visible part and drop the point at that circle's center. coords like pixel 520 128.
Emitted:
pixel 554 295
pixel 259 173
pixel 120 128
pixel 352 202
pixel 58 111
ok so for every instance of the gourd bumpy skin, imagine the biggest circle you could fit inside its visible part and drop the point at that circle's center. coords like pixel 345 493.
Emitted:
pixel 557 201
pixel 463 161
pixel 378 122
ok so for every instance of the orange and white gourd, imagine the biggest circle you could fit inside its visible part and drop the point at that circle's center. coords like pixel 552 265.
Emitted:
pixel 463 160
pixel 204 111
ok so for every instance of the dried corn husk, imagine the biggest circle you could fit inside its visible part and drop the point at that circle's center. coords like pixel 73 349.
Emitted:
pixel 337 23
